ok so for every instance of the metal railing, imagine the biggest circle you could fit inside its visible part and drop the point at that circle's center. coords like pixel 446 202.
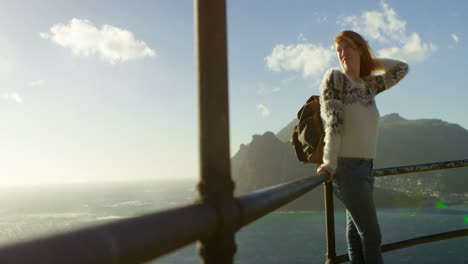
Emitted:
pixel 332 258
pixel 217 215
pixel 150 236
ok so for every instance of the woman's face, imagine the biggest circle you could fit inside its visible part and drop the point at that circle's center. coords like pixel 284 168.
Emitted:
pixel 349 55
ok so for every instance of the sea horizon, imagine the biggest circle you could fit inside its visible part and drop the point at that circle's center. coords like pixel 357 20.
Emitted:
pixel 61 208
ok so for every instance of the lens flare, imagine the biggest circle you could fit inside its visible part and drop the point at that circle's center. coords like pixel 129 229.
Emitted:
pixel 440 205
pixel 466 219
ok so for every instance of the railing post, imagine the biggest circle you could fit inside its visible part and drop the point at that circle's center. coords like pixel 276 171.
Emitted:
pixel 216 186
pixel 329 222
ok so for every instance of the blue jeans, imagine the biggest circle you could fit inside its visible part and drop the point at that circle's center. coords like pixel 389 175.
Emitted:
pixel 353 184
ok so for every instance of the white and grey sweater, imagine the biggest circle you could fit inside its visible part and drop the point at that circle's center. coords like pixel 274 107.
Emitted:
pixel 349 111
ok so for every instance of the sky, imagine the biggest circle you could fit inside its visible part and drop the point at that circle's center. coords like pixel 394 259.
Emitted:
pixel 106 90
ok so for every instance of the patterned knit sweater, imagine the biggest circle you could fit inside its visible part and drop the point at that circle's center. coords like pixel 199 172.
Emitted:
pixel 349 111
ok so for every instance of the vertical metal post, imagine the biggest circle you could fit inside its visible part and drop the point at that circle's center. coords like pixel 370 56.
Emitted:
pixel 329 222
pixel 216 186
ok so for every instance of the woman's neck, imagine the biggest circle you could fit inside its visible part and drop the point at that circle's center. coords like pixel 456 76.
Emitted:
pixel 353 75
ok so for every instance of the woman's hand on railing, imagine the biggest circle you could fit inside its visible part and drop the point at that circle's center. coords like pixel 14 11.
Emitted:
pixel 328 171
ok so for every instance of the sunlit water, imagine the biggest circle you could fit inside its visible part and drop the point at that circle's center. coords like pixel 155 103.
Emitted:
pixel 299 237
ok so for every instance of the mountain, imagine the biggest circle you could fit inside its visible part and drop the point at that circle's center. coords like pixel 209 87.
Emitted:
pixel 285 134
pixel 269 159
pixel 404 142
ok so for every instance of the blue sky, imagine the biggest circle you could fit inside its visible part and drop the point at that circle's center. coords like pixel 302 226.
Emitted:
pixel 105 90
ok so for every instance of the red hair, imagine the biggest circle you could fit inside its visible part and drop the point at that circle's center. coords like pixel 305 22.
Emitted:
pixel 368 64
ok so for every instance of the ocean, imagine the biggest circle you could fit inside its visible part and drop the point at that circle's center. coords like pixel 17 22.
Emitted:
pixel 294 237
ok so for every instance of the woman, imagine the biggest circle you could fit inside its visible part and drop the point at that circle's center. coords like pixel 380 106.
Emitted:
pixel 351 118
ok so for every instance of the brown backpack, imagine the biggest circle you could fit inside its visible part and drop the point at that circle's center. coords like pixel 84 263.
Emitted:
pixel 308 136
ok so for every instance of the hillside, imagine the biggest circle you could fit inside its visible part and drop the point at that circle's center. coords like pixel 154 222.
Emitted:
pixel 269 159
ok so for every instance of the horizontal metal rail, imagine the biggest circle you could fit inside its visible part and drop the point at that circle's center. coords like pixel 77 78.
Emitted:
pixel 150 236
pixel 420 167
pixel 132 240
pixel 259 203
pixel 424 239
pixel 413 242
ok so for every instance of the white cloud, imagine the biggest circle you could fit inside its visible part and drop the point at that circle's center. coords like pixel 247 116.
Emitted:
pixel 312 60
pixel 264 111
pixel 14 97
pixel 276 89
pixel 387 28
pixel 413 49
pixel 455 37
pixel 110 43
pixel 384 26
pixel 36 83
